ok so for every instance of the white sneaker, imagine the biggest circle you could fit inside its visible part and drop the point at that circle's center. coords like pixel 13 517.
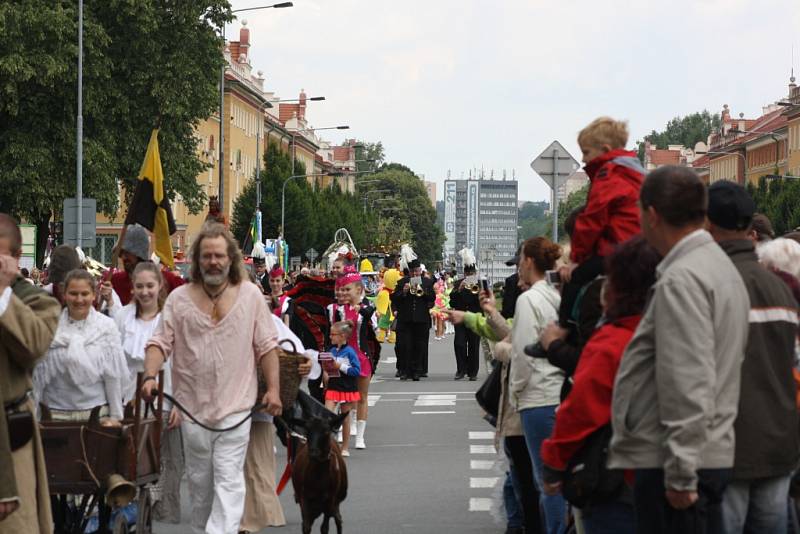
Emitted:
pixel 360 443
pixel 346 453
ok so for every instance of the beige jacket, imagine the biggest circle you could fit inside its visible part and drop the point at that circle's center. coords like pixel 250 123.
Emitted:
pixel 26 330
pixel 676 393
pixel 534 382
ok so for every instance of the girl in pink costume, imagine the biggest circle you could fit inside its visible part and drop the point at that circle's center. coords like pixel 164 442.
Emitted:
pixel 353 307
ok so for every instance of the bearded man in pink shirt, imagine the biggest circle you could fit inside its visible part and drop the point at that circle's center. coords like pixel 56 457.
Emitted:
pixel 216 330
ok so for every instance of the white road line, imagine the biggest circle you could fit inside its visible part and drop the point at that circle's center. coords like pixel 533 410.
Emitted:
pixel 390 359
pixel 436 397
pixel 435 402
pixel 480 504
pixel 481 435
pixel 431 413
pixel 481 465
pixel 417 393
pixel 483 482
pixel 482 449
pixel 373 399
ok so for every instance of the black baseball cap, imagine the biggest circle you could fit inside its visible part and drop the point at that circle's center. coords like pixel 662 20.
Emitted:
pixel 730 206
pixel 515 259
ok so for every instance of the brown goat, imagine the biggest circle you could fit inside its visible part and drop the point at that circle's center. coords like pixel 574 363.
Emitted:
pixel 319 474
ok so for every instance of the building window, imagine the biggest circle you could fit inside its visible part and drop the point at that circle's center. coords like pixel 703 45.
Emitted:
pixel 101 252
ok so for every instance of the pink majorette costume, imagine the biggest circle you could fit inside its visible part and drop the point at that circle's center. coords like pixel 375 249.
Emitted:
pixel 358 315
pixel 280 304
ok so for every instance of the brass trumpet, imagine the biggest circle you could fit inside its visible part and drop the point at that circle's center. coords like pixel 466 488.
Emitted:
pixel 474 288
pixel 417 291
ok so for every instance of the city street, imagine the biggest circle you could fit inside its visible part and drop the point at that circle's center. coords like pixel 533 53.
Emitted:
pixel 430 464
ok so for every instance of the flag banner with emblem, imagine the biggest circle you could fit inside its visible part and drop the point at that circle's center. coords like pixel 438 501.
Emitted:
pixel 150 206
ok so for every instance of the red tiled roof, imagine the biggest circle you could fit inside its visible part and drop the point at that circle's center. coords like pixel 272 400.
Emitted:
pixel 762 126
pixel 664 157
pixel 702 161
pixel 287 111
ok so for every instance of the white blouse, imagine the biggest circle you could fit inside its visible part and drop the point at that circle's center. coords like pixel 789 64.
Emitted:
pixel 135 334
pixel 84 366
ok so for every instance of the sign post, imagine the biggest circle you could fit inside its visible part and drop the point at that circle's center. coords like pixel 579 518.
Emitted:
pixel 554 166
pixel 85 220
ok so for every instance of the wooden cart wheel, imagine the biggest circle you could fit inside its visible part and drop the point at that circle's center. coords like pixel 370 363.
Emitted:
pixel 120 525
pixel 144 516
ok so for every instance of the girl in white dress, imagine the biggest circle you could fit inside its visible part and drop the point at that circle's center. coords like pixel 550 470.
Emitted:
pixel 136 322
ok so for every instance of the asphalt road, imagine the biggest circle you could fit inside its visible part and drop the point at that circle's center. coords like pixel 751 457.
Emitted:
pixel 430 464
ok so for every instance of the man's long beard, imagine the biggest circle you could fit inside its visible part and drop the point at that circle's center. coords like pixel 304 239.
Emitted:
pixel 215 279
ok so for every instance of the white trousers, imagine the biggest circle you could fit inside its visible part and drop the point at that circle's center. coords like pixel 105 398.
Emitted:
pixel 214 468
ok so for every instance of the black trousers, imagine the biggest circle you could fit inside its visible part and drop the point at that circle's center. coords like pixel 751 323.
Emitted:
pixel 413 338
pixel 401 347
pixel 520 461
pixel 467 345
pixel 654 515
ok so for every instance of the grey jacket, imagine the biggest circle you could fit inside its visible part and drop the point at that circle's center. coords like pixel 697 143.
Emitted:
pixel 677 389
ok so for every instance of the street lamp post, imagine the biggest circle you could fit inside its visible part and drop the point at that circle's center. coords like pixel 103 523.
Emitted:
pixel 295 132
pixel 366 195
pixel 221 158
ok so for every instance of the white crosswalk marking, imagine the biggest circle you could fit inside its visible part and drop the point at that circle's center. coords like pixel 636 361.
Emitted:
pixel 481 435
pixel 480 504
pixel 435 400
pixel 482 449
pixel 372 400
pixel 483 482
pixel 481 465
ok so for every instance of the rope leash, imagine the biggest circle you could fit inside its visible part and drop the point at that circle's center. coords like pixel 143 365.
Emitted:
pixel 258 407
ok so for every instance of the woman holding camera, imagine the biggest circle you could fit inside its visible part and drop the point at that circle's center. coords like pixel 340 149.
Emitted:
pixel 534 383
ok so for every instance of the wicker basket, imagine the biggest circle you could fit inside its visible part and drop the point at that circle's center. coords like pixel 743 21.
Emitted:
pixel 289 374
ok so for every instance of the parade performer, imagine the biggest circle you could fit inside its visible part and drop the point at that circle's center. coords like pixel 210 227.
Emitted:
pixel 413 298
pixel 136 248
pixel 259 257
pixel 216 330
pixel 137 322
pixel 85 366
pixel 440 305
pixel 309 319
pixel 280 300
pixel 463 298
pixel 383 306
pixel 343 389
pixel 28 320
pixel 353 307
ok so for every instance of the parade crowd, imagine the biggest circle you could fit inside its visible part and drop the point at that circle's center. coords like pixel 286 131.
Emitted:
pixel 643 380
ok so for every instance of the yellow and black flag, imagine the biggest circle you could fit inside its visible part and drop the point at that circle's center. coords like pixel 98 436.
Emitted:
pixel 150 206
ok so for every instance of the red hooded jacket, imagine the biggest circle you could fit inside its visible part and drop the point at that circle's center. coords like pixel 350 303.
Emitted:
pixel 611 215
pixel 588 406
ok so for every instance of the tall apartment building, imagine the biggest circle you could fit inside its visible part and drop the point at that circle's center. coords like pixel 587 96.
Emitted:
pixel 481 215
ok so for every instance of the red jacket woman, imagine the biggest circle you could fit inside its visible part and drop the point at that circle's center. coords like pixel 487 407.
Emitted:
pixel 588 406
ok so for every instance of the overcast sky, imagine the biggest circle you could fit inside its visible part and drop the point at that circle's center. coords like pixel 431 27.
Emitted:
pixel 454 85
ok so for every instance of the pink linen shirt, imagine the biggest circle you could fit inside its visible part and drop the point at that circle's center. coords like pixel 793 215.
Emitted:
pixel 214 365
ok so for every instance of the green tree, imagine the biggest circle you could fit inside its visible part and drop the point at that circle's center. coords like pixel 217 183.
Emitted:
pixel 366 150
pixel 410 206
pixel 313 213
pixel 138 73
pixel 686 131
pixel 779 200
pixel 532 220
